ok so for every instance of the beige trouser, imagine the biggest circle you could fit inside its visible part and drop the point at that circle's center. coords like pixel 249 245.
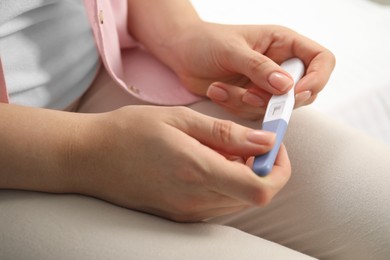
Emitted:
pixel 336 206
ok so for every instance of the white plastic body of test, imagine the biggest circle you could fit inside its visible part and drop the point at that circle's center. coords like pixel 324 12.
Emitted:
pixel 277 116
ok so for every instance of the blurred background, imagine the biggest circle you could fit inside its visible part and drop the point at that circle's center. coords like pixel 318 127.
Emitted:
pixel 356 31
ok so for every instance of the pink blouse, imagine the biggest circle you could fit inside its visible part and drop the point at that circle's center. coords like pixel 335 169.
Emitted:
pixel 130 65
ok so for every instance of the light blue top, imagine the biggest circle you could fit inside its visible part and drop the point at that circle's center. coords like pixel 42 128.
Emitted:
pixel 48 51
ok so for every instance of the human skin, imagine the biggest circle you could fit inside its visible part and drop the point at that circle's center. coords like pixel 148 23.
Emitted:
pixel 166 161
pixel 236 66
pixel 134 156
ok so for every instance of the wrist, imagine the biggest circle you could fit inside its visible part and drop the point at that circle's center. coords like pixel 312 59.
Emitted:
pixel 35 148
pixel 175 45
pixel 156 24
pixel 83 153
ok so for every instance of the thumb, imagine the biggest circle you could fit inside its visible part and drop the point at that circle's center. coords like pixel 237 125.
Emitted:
pixel 226 136
pixel 261 70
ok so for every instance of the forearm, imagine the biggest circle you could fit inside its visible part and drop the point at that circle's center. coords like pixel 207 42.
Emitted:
pixel 34 148
pixel 157 23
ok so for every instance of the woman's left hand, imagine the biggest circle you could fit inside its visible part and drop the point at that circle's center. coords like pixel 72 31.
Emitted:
pixel 236 66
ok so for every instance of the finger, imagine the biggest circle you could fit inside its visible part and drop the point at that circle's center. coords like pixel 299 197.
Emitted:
pixel 238 181
pixel 254 92
pixel 261 70
pixel 232 96
pixel 304 98
pixel 317 74
pixel 223 135
pixel 319 61
pixel 279 176
pixel 238 96
pixel 245 103
pixel 280 173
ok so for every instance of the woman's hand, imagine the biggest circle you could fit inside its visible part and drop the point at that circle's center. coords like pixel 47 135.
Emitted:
pixel 237 66
pixel 173 162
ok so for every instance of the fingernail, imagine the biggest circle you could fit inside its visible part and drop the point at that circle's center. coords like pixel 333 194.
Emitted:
pixel 260 137
pixel 217 93
pixel 253 100
pixel 302 97
pixel 280 81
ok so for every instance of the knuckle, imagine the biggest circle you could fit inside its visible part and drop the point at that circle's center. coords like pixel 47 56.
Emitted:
pixel 191 179
pixel 181 110
pixel 222 130
pixel 255 64
pixel 231 46
pixel 281 33
pixel 177 116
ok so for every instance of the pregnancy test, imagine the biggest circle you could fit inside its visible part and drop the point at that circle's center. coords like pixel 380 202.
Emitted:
pixel 276 117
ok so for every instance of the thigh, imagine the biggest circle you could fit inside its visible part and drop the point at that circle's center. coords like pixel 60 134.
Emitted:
pixel 45 226
pixel 337 203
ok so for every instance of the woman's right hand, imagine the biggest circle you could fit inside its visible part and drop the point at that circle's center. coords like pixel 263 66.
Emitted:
pixel 173 162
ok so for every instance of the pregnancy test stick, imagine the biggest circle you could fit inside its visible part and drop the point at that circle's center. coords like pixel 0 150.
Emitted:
pixel 276 117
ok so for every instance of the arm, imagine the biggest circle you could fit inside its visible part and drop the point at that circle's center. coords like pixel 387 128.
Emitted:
pixel 34 148
pixel 235 66
pixel 142 166
pixel 156 23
